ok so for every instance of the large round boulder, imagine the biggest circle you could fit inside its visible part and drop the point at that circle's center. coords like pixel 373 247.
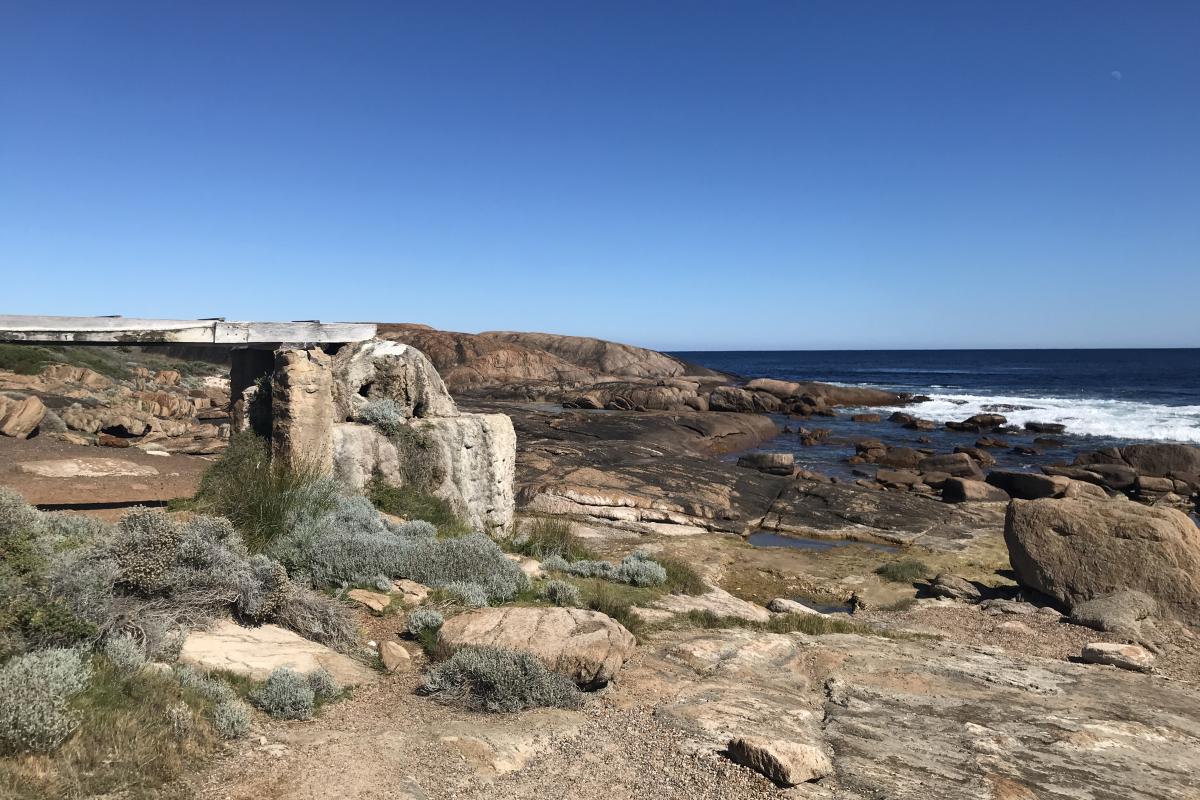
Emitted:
pixel 586 646
pixel 1078 550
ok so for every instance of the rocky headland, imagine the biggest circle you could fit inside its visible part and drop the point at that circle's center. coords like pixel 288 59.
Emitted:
pixel 921 622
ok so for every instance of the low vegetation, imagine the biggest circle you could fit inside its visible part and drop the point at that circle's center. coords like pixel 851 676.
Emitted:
pixel 500 680
pixel 288 694
pixel 413 504
pixel 561 593
pixel 811 624
pixel 544 537
pixel 904 570
pixel 636 569
pixel 262 497
pixel 418 455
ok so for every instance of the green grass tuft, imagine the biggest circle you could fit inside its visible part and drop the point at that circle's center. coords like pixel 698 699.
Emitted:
pixel 906 570
pixel 542 537
pixel 411 504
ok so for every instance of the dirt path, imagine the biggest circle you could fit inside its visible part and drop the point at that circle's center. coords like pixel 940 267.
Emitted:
pixel 387 743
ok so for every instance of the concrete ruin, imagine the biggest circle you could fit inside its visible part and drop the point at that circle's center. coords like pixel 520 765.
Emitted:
pixel 303 386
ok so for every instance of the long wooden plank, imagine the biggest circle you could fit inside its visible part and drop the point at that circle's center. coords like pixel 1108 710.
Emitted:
pixel 126 330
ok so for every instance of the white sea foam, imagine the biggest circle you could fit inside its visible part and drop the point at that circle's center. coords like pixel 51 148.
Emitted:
pixel 1117 419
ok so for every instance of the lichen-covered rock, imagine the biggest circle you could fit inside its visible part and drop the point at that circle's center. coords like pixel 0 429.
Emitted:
pixel 1078 550
pixel 586 646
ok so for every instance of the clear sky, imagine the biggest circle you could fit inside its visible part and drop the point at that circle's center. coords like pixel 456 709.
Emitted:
pixel 687 175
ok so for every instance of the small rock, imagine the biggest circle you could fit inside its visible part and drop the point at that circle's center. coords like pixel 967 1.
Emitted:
pixel 782 605
pixel 1015 627
pixel 954 587
pixel 394 657
pixel 412 593
pixel 375 601
pixel 786 763
pixel 1124 656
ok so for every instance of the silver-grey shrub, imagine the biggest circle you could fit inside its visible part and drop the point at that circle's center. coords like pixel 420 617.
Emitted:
pixel 35 694
pixel 125 653
pixel 497 679
pixel 555 563
pixel 323 684
pixel 467 593
pixel 417 529
pixel 423 619
pixel 352 544
pixel 231 719
pixel 561 593
pixel 384 414
pixel 639 569
pixel 319 618
pixel 285 695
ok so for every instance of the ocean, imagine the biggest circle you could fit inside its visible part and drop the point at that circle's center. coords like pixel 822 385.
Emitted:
pixel 1104 397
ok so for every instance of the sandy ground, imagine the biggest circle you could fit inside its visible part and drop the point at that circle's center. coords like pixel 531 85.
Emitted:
pixel 176 475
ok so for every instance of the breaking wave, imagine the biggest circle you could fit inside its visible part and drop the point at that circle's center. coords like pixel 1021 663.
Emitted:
pixel 1113 419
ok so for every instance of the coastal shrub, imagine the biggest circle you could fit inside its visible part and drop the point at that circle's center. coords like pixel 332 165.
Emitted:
pixel 124 653
pixel 638 569
pixel 384 414
pixel 35 694
pixel 319 618
pixel 466 593
pixel 324 685
pixel 474 558
pixel 423 619
pixel 561 593
pixel 25 360
pixel 262 496
pixel 349 544
pixel 417 529
pixel 415 504
pixel 231 718
pixel 549 536
pixel 285 695
pixel 499 680
pixel 905 570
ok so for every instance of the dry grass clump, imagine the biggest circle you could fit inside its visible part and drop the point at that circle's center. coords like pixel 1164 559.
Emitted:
pixel 544 537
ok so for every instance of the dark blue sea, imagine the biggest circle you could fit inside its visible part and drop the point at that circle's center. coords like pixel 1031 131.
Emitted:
pixel 1104 397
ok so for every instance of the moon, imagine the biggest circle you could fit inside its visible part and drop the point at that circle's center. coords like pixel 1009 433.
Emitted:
pixel 1116 73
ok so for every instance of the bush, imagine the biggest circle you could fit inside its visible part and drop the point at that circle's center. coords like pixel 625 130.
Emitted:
pixel 35 694
pixel 124 653
pixel 639 569
pixel 549 536
pixel 324 686
pixel 319 618
pixel 613 602
pixel 417 529
pixel 349 544
pixel 412 503
pixel 636 569
pixel 286 695
pixel 467 594
pixel 561 593
pixel 423 619
pixel 180 717
pixel 384 414
pixel 231 719
pixel 262 496
pixel 418 454
pixel 906 570
pixel 495 679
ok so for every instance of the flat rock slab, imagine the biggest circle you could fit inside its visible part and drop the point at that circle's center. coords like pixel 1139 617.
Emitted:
pixel 716 600
pixel 86 468
pixel 255 652
pixel 586 646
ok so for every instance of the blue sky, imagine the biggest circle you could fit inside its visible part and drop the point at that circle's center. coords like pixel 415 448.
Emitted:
pixel 683 175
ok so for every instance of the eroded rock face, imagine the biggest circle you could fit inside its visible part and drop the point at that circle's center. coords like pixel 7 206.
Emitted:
pixel 1078 550
pixel 20 418
pixel 255 652
pixel 376 369
pixel 586 646
pixel 302 412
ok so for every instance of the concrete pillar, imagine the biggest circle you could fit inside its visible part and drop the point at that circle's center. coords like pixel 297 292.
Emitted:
pixel 302 410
